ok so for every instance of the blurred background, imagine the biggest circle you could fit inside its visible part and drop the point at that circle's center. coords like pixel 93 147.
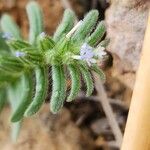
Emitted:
pixel 83 124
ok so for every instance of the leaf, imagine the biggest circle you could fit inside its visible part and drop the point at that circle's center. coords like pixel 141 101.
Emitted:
pixel 41 91
pixel 9 26
pixel 35 20
pixel 86 27
pixel 66 25
pixel 59 88
pixel 75 82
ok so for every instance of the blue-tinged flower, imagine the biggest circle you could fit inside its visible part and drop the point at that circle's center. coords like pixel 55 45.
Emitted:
pixel 86 54
pixel 19 54
pixel 7 36
pixel 86 51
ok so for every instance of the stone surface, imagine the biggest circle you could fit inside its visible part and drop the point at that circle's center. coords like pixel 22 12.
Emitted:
pixel 126 22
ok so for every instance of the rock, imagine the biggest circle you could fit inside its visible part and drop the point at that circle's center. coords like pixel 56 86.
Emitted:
pixel 126 22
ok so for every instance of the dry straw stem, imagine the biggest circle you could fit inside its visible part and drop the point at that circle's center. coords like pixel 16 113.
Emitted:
pixel 137 132
pixel 102 96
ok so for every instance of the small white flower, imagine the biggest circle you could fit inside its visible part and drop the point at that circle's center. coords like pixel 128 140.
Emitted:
pixel 100 52
pixel 91 61
pixel 43 35
pixel 19 54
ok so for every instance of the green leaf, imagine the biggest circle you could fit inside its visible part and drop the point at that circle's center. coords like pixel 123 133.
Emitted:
pixel 75 82
pixel 86 27
pixel 99 71
pixel 45 43
pixel 10 64
pixel 41 91
pixel 14 98
pixel 35 20
pixel 87 79
pixel 4 48
pixel 18 44
pixel 97 35
pixel 66 24
pixel 8 25
pixel 59 88
pixel 25 99
pixel 2 98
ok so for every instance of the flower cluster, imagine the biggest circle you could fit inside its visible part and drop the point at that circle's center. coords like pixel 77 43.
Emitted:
pixel 88 54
